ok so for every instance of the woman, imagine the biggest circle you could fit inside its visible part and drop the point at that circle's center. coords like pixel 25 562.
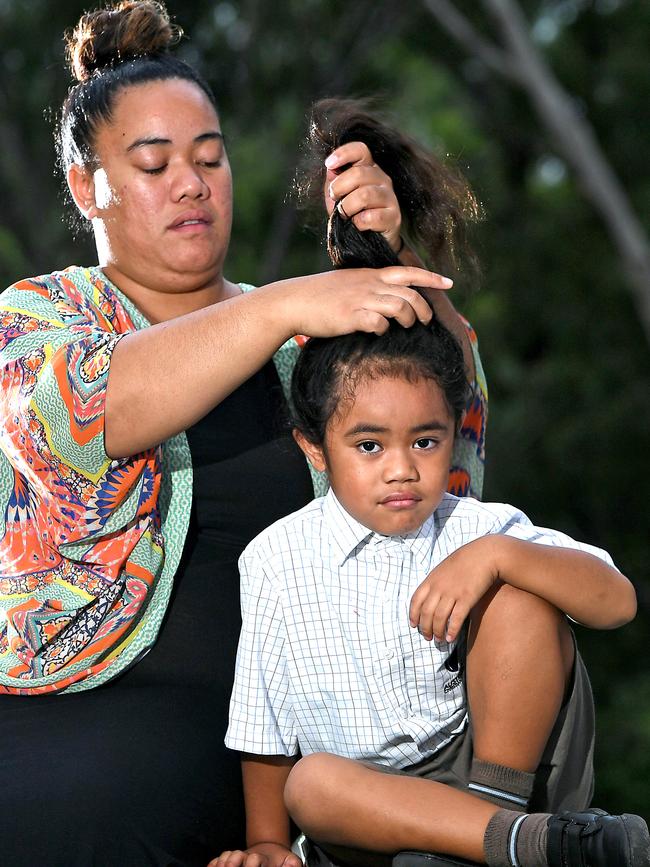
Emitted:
pixel 118 564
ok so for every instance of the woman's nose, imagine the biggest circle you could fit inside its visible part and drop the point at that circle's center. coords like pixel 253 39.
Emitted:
pixel 189 184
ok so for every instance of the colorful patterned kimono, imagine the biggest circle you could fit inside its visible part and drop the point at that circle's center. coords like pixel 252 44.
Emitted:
pixel 89 545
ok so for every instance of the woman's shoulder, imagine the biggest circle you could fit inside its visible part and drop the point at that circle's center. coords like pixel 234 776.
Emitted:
pixel 67 296
pixel 75 275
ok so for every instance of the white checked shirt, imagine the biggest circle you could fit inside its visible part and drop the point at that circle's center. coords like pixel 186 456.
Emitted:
pixel 327 661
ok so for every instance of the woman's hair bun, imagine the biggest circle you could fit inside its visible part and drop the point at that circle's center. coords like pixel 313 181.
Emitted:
pixel 122 31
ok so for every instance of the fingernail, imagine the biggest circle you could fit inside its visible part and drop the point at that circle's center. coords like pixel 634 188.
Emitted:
pixel 330 192
pixel 331 161
pixel 447 282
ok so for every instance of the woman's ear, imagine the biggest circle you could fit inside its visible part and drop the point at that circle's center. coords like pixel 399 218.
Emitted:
pixel 81 183
pixel 314 453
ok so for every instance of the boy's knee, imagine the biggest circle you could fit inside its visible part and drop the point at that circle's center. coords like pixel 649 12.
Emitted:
pixel 306 787
pixel 507 607
pixel 510 627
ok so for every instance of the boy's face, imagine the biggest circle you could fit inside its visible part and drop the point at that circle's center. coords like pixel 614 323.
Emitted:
pixel 388 454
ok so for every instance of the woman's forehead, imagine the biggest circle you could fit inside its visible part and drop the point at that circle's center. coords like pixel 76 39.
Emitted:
pixel 156 108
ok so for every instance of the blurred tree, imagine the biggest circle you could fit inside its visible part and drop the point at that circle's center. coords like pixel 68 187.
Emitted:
pixel 521 63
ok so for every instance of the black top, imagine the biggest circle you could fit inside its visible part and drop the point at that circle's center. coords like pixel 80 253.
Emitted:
pixel 135 773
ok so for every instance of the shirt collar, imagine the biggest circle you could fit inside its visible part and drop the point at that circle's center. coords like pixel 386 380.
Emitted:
pixel 348 534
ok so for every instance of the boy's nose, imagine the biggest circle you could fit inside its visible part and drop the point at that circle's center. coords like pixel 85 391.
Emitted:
pixel 400 467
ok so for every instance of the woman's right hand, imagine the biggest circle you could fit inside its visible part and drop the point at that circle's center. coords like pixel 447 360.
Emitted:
pixel 353 299
pixel 261 855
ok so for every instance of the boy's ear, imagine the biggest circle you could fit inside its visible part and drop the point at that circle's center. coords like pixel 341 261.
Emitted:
pixel 314 453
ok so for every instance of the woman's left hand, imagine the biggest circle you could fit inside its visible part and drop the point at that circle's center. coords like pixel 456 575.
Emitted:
pixel 362 192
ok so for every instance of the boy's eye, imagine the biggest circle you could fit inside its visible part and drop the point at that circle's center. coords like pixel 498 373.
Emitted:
pixel 424 443
pixel 368 447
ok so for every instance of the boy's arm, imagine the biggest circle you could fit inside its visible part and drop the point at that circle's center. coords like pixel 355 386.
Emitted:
pixel 267 821
pixel 580 584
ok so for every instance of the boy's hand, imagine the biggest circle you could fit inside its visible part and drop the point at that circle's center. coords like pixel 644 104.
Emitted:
pixel 443 601
pixel 260 855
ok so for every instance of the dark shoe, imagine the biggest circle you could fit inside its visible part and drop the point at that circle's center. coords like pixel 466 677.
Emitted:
pixel 596 839
pixel 426 859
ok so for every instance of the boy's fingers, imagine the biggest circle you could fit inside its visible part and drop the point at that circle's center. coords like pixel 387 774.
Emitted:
pixel 441 618
pixel 417 600
pixel 456 620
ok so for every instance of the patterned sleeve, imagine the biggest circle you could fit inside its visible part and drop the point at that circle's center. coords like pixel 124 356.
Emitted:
pixel 261 715
pixel 55 355
pixel 468 459
pixel 68 510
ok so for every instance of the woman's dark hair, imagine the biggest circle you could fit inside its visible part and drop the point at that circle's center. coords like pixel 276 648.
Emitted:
pixel 329 369
pixel 113 48
pixel 436 202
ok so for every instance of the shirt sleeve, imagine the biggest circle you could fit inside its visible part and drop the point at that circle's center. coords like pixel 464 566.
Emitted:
pixel 519 526
pixel 468 459
pixel 55 372
pixel 56 346
pixel 261 715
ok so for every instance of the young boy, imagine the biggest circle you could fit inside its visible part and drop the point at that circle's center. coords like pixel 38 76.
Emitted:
pixel 408 743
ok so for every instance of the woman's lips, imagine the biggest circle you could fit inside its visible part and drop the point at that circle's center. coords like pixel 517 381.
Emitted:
pixel 191 220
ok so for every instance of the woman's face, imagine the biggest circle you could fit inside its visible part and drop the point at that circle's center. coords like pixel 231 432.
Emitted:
pixel 162 206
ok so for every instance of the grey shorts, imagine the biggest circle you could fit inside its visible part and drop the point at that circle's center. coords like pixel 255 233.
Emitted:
pixel 564 779
pixel 565 776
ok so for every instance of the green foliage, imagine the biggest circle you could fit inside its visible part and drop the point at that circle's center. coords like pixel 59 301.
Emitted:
pixel 566 358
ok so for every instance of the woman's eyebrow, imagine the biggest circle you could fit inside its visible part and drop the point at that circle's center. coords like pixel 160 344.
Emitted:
pixel 145 141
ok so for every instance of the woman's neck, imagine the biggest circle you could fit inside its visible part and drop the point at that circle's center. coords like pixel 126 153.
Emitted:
pixel 160 306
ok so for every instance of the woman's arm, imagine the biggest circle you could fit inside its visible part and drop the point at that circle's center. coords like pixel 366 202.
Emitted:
pixel 164 378
pixel 267 820
pixel 582 585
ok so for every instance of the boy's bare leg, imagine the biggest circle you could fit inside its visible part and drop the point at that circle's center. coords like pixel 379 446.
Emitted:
pixel 519 662
pixel 520 657
pixel 346 803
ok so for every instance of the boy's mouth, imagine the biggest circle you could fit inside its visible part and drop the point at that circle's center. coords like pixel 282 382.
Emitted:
pixel 400 500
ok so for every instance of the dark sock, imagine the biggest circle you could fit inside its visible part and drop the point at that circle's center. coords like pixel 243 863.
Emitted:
pixel 503 786
pixel 516 839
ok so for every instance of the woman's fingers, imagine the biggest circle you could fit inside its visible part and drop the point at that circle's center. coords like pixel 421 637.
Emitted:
pixel 369 184
pixel 351 153
pixel 362 191
pixel 339 162
pixel 364 194
pixel 409 275
pixel 358 299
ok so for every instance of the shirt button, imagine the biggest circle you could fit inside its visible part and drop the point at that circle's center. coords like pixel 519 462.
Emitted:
pixel 388 653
